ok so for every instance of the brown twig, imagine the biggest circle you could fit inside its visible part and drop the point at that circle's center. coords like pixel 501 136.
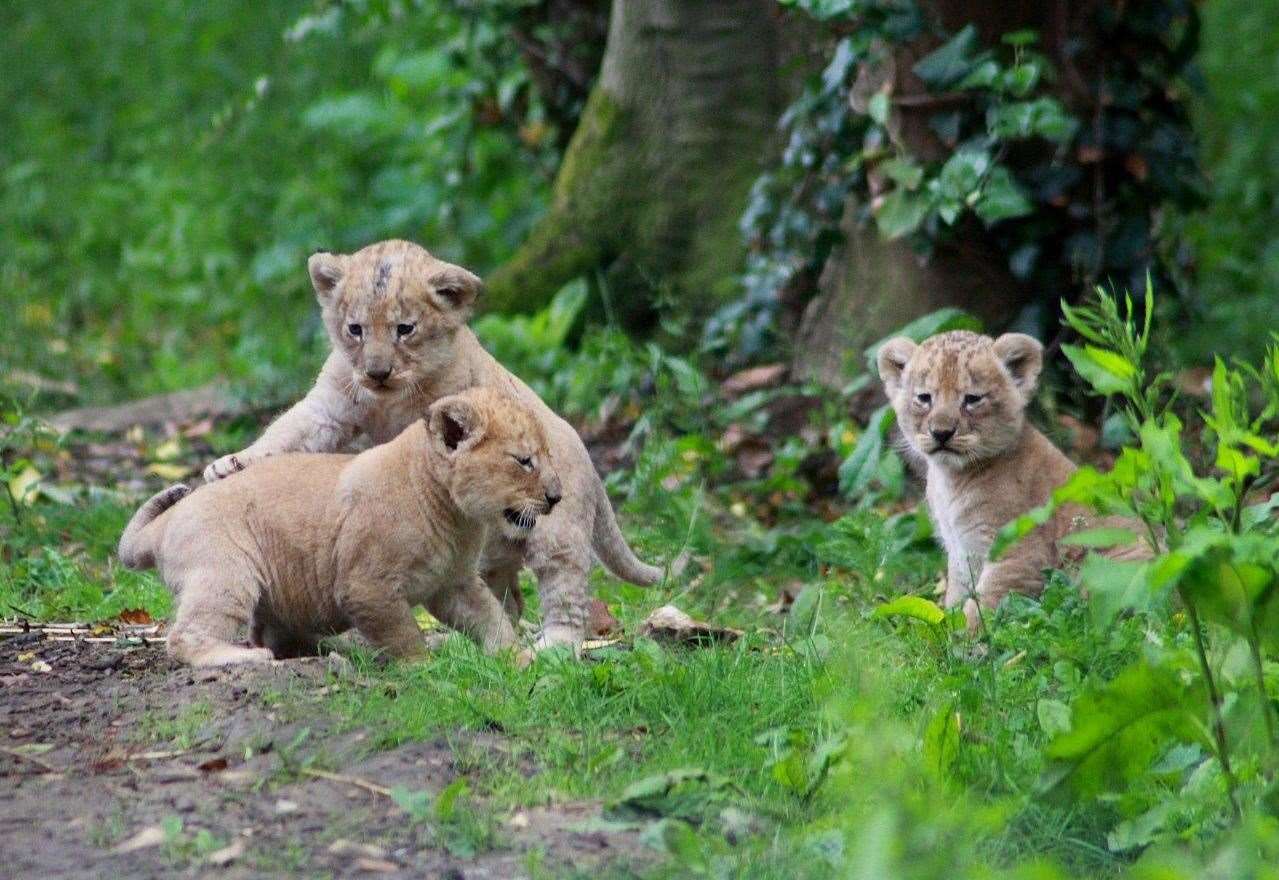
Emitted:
pixel 347 780
pixel 50 768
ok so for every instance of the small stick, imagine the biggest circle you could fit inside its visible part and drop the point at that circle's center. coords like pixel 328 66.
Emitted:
pixel 33 759
pixel 349 780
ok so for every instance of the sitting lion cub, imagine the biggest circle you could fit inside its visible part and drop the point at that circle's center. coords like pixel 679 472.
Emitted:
pixel 396 317
pixel 960 400
pixel 311 545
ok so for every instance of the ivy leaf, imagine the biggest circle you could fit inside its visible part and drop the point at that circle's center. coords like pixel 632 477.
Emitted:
pixel 1118 730
pixel 901 213
pixel 962 174
pixel 1001 198
pixel 903 171
pixel 950 62
pixel 878 107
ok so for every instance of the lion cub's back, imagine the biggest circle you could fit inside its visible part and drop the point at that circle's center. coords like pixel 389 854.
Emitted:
pixel 290 493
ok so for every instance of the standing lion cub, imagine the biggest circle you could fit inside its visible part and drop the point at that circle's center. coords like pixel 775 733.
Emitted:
pixel 396 317
pixel 961 403
pixel 312 545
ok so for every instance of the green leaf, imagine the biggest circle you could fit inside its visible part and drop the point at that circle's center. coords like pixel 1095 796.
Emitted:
pixel 1091 370
pixel 1140 831
pixel 950 62
pixel 856 471
pixel 941 742
pixel 1118 730
pixel 901 213
pixel 913 607
pixel 961 177
pixel 903 171
pixel 940 321
pixel 878 107
pixel 1115 586
pixel 1011 534
pixel 1054 716
pixel 1001 198
pixel 1101 537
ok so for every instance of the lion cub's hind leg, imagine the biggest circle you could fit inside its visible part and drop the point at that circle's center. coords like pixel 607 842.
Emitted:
pixel 212 607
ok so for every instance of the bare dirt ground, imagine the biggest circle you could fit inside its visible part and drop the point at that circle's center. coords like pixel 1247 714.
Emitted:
pixel 86 791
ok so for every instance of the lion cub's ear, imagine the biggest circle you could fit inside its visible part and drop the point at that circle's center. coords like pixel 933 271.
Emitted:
pixel 326 271
pixel 1023 358
pixel 455 423
pixel 893 357
pixel 455 289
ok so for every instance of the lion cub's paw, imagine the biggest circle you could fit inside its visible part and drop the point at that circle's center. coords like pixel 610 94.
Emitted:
pixel 227 465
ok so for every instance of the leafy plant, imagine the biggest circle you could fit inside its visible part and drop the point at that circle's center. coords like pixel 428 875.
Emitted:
pixel 1208 548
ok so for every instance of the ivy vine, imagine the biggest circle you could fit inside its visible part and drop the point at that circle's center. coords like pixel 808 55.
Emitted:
pixel 1067 179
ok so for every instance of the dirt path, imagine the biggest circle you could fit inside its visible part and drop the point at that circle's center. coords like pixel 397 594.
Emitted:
pixel 114 747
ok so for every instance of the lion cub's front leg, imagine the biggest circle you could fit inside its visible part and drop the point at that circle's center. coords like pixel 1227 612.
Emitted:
pixel 474 611
pixel 323 421
pixel 385 618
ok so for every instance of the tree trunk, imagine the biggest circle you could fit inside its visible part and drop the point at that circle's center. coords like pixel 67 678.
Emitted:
pixel 680 123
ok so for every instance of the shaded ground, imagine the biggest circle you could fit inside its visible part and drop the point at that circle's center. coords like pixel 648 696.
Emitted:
pixel 116 742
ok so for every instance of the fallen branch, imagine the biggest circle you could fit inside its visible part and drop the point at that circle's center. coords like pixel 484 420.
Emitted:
pixel 348 780
pixel 45 765
pixel 178 406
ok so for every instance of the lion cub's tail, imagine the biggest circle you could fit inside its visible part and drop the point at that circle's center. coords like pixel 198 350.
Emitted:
pixel 137 544
pixel 610 546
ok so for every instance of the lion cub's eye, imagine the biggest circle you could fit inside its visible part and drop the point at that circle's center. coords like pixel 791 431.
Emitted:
pixel 971 400
pixel 355 330
pixel 526 463
pixel 403 330
pixel 925 399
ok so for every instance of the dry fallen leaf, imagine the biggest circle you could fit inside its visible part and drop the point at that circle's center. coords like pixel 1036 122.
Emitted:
pixel 168 450
pixel 601 622
pixel 148 837
pixel 23 486
pixel 41 666
pixel 168 471
pixel 227 854
pixel 376 866
pixel 213 765
pixel 139 616
pixel 670 624
pixel 753 379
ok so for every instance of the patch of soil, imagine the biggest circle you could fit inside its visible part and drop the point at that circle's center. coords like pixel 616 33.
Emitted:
pixel 82 776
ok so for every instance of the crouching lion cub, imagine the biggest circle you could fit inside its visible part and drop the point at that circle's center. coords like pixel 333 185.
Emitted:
pixel 312 545
pixel 961 404
pixel 396 317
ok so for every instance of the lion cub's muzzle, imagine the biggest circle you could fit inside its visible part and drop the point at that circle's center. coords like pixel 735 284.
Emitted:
pixel 526 517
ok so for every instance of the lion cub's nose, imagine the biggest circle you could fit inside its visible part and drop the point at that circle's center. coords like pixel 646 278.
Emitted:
pixel 379 375
pixel 942 436
pixel 552 499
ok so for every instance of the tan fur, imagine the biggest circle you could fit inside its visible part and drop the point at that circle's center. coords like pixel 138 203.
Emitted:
pixel 993 466
pixel 308 545
pixel 396 282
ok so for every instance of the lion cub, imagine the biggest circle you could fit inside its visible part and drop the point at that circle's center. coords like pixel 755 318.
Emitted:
pixel 960 400
pixel 396 317
pixel 310 545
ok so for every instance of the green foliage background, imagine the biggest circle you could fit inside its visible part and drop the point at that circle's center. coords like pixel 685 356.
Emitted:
pixel 168 166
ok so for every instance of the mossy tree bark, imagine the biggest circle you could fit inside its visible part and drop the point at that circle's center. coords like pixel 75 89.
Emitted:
pixel 680 123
